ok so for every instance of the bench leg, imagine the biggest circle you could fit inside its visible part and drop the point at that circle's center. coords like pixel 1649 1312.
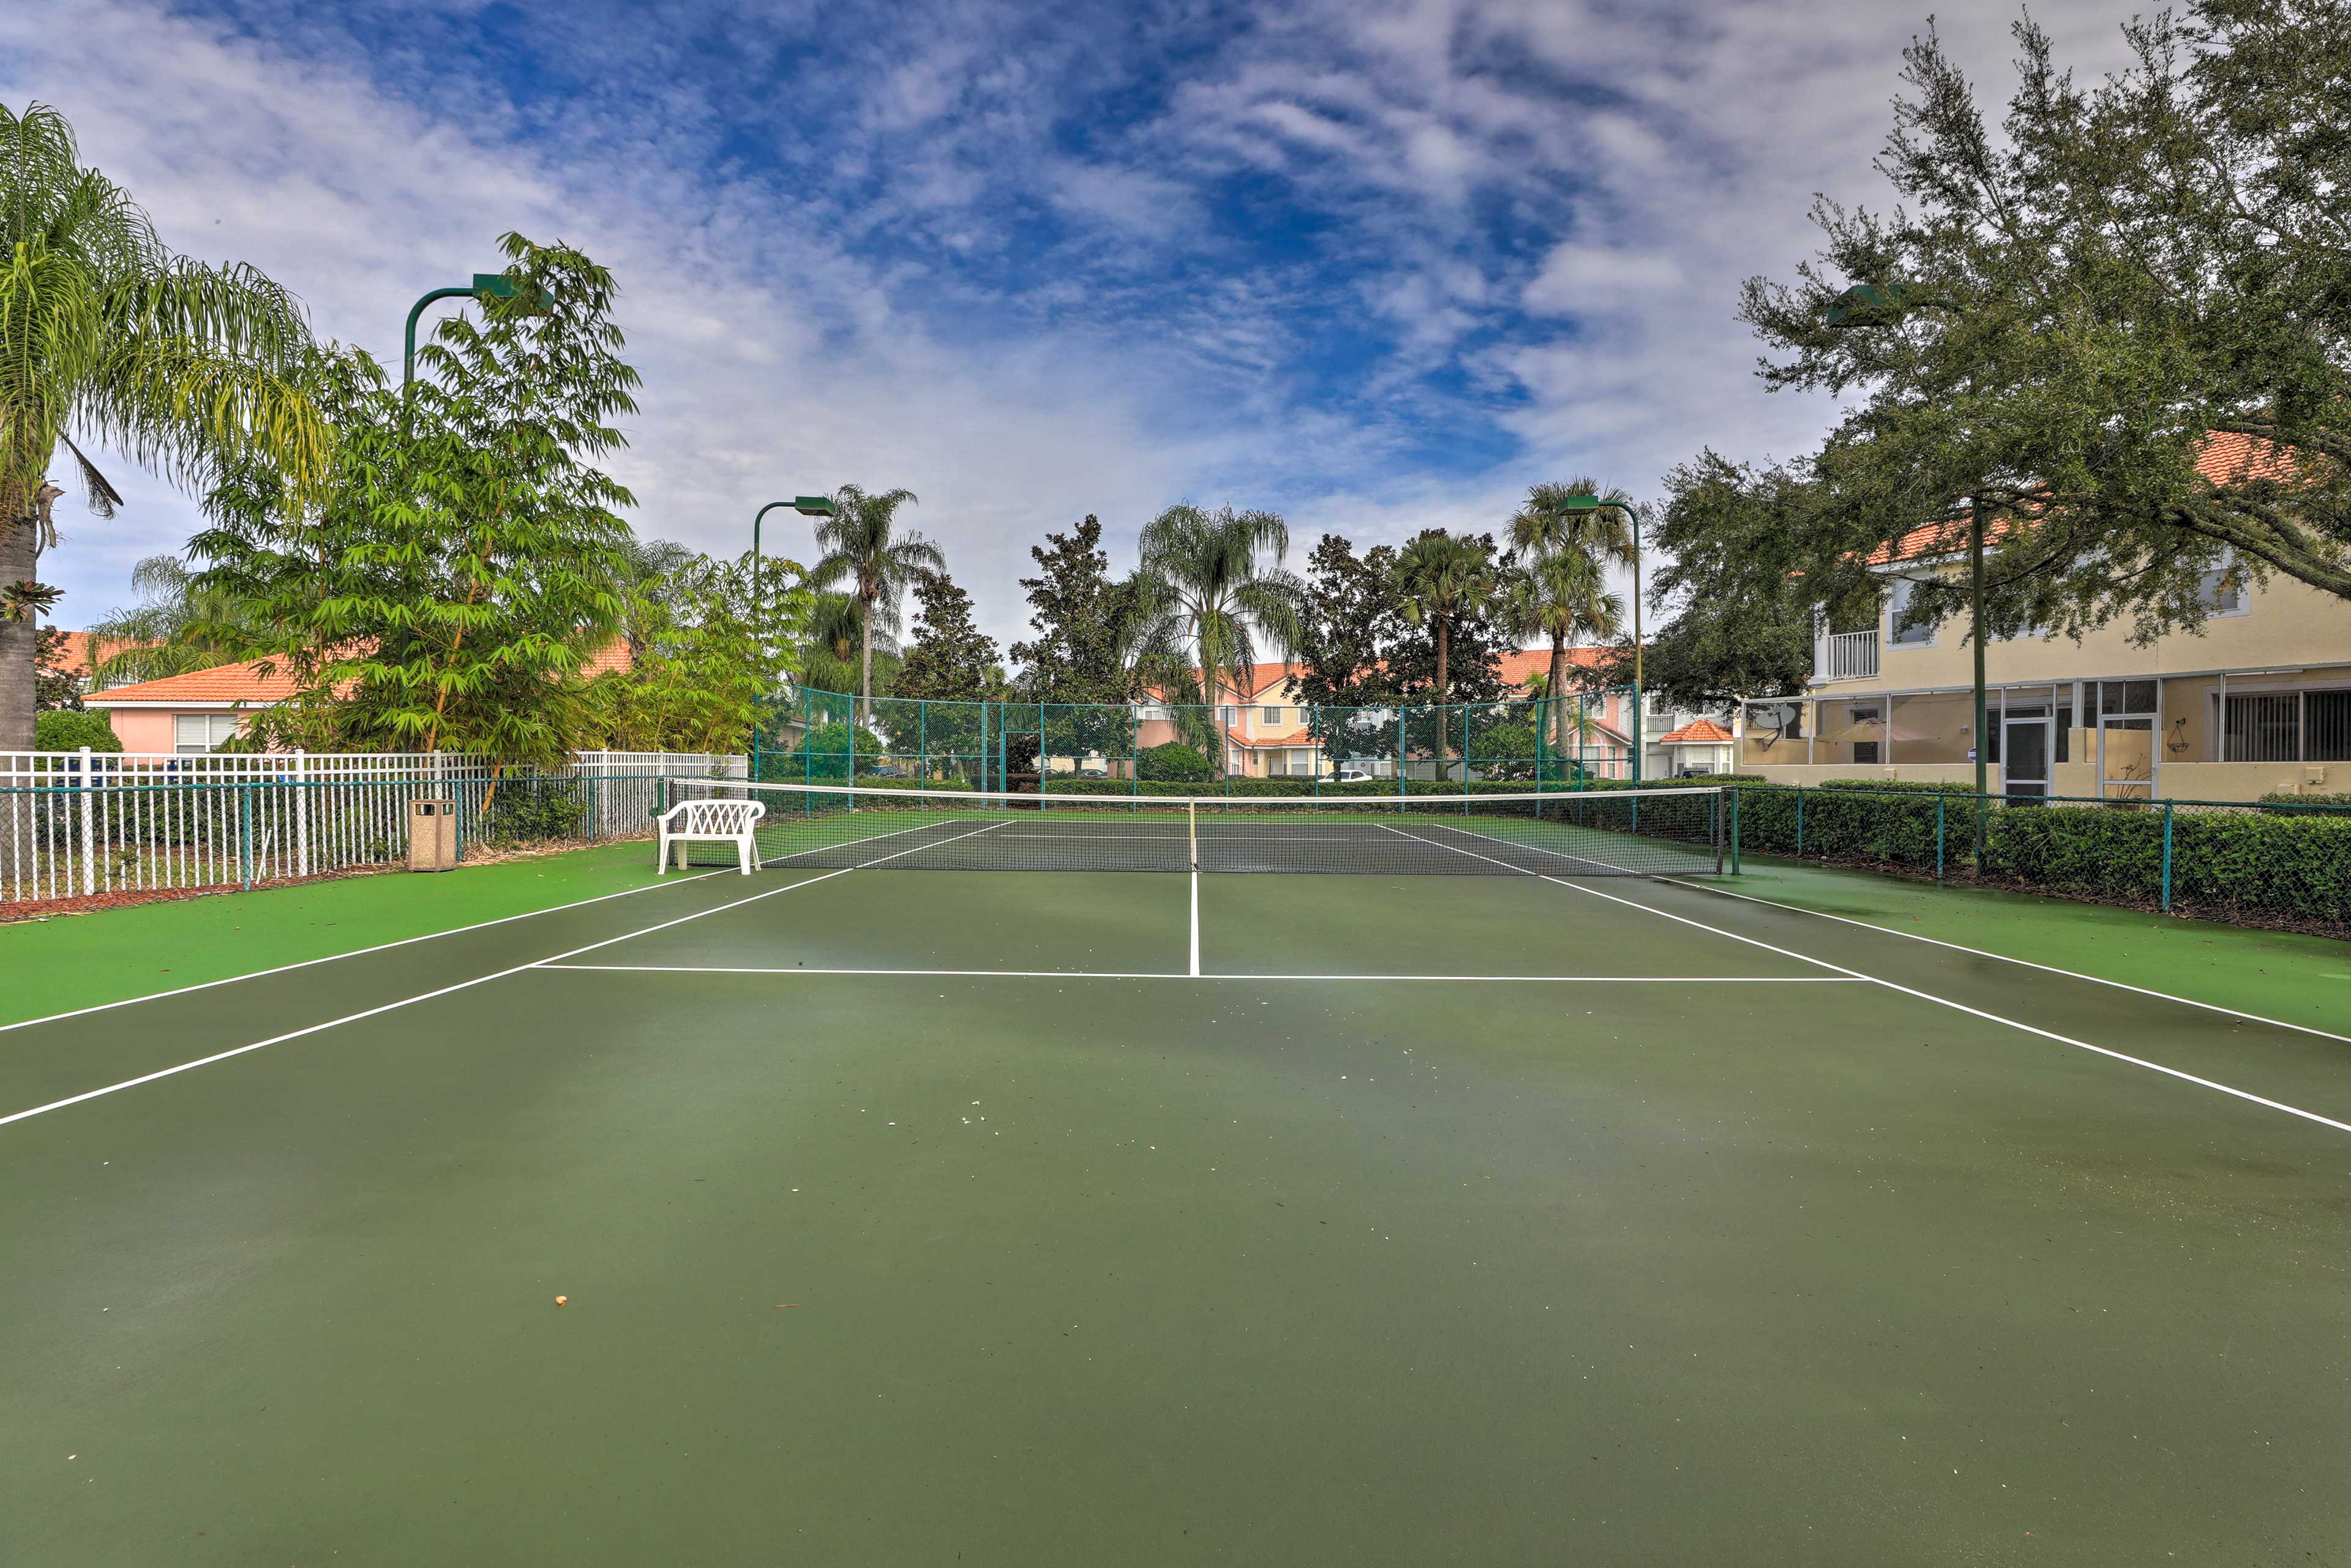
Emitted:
pixel 661 858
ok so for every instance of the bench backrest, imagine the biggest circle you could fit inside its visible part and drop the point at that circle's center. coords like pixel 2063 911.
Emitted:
pixel 716 819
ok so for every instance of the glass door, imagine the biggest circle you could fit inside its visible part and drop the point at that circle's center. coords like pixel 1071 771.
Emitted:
pixel 2024 758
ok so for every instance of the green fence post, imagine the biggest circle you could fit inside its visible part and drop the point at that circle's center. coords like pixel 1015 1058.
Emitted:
pixel 1404 728
pixel 1939 801
pixel 1734 830
pixel 2166 857
pixel 244 835
pixel 1800 821
pixel 923 740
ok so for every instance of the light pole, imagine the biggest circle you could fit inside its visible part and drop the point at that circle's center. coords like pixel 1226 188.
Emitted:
pixel 1867 305
pixel 806 506
pixel 1595 504
pixel 494 285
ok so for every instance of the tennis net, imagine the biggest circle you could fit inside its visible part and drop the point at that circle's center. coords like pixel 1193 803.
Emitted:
pixel 1613 832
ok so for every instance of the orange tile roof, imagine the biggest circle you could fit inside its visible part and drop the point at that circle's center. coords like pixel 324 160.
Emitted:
pixel 1697 733
pixel 239 683
pixel 2228 458
pixel 85 649
pixel 243 683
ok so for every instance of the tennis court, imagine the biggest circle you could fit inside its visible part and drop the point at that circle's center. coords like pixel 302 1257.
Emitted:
pixel 947 1210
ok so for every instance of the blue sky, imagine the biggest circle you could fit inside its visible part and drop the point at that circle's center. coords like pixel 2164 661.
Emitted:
pixel 1373 264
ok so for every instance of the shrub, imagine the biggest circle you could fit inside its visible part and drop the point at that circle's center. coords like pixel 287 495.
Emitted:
pixel 62 729
pixel 2283 797
pixel 530 810
pixel 1174 763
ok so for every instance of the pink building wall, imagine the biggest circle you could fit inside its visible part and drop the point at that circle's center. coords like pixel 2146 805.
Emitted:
pixel 141 729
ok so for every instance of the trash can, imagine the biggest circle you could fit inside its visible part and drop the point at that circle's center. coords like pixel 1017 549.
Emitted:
pixel 433 835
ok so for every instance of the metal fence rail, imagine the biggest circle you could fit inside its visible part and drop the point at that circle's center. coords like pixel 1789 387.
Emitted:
pixel 75 824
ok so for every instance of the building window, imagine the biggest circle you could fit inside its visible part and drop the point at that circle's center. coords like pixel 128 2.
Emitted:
pixel 195 733
pixel 2288 727
pixel 1902 629
pixel 1228 716
pixel 2217 594
pixel 1271 715
pixel 1865 752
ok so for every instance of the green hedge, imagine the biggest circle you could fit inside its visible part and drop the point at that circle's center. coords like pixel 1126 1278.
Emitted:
pixel 2248 862
pixel 2282 798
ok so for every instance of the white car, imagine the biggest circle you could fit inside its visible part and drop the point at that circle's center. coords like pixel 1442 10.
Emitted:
pixel 1354 775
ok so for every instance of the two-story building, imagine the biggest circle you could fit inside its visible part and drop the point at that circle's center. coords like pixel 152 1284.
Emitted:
pixel 2256 700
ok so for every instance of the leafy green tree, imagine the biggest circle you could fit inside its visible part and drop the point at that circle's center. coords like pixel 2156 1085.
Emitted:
pixel 1351 621
pixel 1082 617
pixel 68 729
pixel 1081 665
pixel 865 554
pixel 1174 763
pixel 1444 580
pixel 107 335
pixel 1206 601
pixel 1734 541
pixel 467 556
pixel 950 659
pixel 2066 308
pixel 705 656
pixel 58 687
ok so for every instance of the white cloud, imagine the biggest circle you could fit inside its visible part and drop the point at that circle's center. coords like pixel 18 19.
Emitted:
pixel 859 323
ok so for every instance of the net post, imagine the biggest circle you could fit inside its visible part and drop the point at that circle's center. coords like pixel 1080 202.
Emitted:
pixel 2167 858
pixel 1192 829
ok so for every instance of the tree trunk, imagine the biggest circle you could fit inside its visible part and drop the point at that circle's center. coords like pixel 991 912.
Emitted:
pixel 18 639
pixel 1444 731
pixel 865 662
pixel 1558 689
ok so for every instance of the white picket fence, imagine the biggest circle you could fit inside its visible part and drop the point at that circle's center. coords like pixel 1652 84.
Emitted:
pixel 77 823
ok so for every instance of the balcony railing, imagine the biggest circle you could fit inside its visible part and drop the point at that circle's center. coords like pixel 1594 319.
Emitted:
pixel 1847 656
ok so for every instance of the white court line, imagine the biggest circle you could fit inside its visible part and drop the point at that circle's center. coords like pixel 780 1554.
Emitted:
pixel 428 996
pixel 357 952
pixel 1196 921
pixel 866 839
pixel 1945 1002
pixel 1196 975
pixel 2027 963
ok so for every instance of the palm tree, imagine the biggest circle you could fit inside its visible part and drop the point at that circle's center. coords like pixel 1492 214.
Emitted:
pixel 1562 598
pixel 179 625
pixel 1440 578
pixel 1545 524
pixel 1204 601
pixel 643 563
pixel 864 554
pixel 836 633
pixel 112 337
pixel 1600 537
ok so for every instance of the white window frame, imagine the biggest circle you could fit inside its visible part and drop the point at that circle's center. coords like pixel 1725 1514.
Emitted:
pixel 217 728
pixel 1269 714
pixel 1897 592
pixel 2208 590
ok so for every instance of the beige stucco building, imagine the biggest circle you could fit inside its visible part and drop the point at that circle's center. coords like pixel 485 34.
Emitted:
pixel 2258 700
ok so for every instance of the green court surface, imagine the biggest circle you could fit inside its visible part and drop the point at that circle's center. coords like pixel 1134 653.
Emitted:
pixel 1086 1218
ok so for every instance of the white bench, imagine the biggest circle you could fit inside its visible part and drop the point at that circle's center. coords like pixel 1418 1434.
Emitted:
pixel 710 821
